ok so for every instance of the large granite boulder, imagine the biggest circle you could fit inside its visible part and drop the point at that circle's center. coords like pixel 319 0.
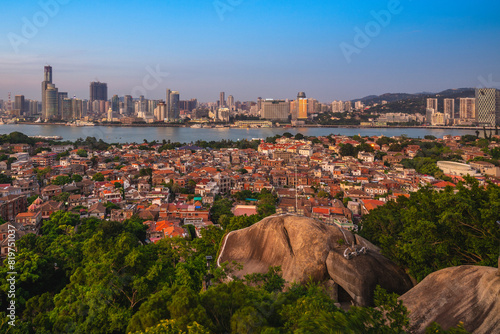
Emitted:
pixel 468 294
pixel 307 249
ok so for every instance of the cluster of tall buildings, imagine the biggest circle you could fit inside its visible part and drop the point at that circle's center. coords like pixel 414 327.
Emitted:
pixel 298 110
pixel 56 105
pixel 482 110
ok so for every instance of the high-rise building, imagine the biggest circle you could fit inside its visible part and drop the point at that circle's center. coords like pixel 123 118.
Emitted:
pixel 276 110
pixel 174 112
pixel 72 109
pixel 432 104
pixel 47 79
pixel 33 107
pixel 167 100
pixel 98 91
pixel 488 106
pixel 51 102
pixel 467 108
pixel 222 100
pixel 19 104
pixel 337 106
pixel 115 103
pixel 300 110
pixel 347 106
pixel 60 97
pixel 128 105
pixel 160 111
pixel 230 102
pixel 449 109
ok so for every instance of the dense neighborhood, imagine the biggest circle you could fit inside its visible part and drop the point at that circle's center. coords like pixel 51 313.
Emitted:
pixel 177 191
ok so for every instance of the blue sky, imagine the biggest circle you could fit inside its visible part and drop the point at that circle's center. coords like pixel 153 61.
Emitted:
pixel 249 48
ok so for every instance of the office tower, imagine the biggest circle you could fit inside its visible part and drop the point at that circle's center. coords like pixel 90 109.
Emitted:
pixel 432 104
pixel 230 102
pixel 449 108
pixel 98 91
pixel 173 113
pixel 51 102
pixel 467 108
pixel 115 103
pixel 60 97
pixel 19 104
pixel 488 106
pixel 160 112
pixel 222 100
pixel 47 79
pixel 276 110
pixel 128 105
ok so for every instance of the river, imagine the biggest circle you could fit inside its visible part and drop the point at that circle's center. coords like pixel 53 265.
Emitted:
pixel 112 134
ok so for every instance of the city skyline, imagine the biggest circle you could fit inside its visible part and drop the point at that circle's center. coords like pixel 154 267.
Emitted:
pixel 250 49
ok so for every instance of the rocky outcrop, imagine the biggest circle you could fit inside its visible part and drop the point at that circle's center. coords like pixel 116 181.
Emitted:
pixel 307 249
pixel 468 294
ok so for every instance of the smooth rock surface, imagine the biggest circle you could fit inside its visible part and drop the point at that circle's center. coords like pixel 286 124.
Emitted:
pixel 468 294
pixel 306 248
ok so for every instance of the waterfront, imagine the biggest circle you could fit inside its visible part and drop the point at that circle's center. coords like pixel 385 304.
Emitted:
pixel 185 135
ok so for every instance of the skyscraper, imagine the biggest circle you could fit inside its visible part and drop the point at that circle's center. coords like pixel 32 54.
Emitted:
pixel 60 97
pixel 449 109
pixel 230 102
pixel 300 109
pixel 167 101
pixel 98 91
pixel 51 102
pixel 173 113
pixel 47 79
pixel 115 103
pixel 222 100
pixel 488 106
pixel 19 104
pixel 128 105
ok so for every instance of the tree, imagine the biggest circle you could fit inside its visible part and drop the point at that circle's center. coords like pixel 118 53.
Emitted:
pixel 221 207
pixel 347 150
pixel 4 179
pixel 61 180
pixel 76 178
pixel 98 177
pixel 82 153
pixel 433 230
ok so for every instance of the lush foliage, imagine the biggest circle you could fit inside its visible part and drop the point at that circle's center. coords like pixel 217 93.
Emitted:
pixel 433 230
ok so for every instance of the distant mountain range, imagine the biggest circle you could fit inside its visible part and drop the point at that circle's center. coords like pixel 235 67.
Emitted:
pixel 394 97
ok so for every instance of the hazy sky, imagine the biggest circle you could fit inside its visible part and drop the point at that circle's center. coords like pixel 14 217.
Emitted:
pixel 249 48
